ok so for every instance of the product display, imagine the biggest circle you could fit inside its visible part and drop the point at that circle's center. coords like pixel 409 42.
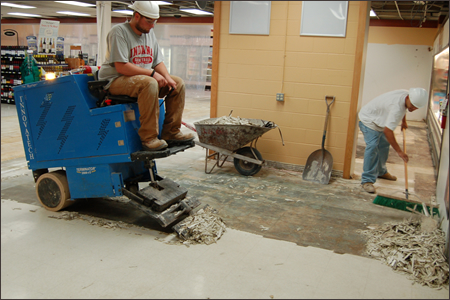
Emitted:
pixel 52 63
pixel 12 58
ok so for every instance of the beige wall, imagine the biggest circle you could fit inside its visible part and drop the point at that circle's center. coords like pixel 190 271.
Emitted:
pixel 402 35
pixel 252 69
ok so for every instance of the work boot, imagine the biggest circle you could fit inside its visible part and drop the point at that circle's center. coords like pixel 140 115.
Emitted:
pixel 179 138
pixel 368 187
pixel 388 176
pixel 154 145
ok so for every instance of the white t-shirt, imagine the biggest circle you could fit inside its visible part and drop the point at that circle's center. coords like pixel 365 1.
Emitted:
pixel 386 110
pixel 124 45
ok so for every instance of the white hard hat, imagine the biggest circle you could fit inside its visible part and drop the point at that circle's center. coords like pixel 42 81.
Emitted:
pixel 418 97
pixel 148 9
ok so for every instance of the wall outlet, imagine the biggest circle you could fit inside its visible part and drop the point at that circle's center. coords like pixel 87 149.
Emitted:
pixel 280 97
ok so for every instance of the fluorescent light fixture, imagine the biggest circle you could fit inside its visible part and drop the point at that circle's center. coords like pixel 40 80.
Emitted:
pixel 162 3
pixel 124 11
pixel 372 13
pixel 77 3
pixel 195 11
pixel 72 13
pixel 16 5
pixel 24 14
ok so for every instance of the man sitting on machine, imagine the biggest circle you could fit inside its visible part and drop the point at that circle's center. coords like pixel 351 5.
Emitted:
pixel 134 66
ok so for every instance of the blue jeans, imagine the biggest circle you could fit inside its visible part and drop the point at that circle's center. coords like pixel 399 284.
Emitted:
pixel 375 155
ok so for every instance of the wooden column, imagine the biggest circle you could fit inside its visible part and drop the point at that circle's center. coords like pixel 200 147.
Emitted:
pixel 215 58
pixel 356 85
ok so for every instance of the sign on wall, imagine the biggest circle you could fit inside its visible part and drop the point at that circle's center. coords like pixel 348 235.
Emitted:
pixel 48 33
pixel 324 18
pixel 250 17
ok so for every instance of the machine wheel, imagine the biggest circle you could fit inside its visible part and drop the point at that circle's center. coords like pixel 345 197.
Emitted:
pixel 244 167
pixel 52 190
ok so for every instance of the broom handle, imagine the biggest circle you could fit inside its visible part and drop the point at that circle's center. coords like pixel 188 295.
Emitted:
pixel 406 166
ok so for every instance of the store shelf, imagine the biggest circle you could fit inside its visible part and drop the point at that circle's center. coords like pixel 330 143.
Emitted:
pixel 12 58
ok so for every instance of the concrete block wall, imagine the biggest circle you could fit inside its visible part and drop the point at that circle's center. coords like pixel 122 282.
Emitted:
pixel 254 68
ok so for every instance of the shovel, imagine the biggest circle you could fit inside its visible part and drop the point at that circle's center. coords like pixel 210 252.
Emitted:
pixel 320 163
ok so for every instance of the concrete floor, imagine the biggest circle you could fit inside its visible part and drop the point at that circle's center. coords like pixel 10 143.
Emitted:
pixel 286 238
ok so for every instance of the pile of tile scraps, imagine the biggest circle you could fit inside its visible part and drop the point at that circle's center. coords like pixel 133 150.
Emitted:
pixel 233 121
pixel 203 227
pixel 67 215
pixel 72 215
pixel 410 249
pixel 109 224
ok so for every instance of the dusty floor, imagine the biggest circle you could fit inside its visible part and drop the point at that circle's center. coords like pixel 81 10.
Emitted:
pixel 276 204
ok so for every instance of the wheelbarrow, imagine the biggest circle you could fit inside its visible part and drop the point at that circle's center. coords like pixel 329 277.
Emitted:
pixel 229 140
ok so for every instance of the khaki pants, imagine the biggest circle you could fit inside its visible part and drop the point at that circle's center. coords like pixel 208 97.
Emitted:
pixel 146 89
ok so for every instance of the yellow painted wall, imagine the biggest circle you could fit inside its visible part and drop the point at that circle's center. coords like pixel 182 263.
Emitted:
pixel 402 35
pixel 253 68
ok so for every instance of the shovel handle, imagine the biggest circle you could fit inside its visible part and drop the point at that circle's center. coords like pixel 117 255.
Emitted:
pixel 406 165
pixel 326 101
pixel 326 118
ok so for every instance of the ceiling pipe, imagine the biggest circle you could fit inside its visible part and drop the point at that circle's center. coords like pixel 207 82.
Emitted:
pixel 424 15
pixel 396 5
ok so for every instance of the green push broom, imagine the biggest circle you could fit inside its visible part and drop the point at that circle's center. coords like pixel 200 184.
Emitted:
pixel 402 203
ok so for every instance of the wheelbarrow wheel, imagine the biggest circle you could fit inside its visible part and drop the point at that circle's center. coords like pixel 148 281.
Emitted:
pixel 52 190
pixel 247 168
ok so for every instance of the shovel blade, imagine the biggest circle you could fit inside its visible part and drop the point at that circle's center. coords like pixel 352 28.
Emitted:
pixel 318 167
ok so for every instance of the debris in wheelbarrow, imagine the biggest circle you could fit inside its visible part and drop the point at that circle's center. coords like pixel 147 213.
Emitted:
pixel 237 121
pixel 227 136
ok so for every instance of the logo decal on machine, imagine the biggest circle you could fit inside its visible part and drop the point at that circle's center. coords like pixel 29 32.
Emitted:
pixel 102 132
pixel 68 118
pixel 88 170
pixel 24 119
pixel 46 104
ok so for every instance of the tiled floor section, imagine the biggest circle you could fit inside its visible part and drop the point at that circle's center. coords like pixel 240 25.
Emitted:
pixel 272 218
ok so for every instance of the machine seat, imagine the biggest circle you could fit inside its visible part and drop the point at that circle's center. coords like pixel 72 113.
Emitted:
pixel 96 88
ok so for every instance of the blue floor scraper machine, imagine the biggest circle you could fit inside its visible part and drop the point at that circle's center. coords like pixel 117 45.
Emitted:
pixel 82 143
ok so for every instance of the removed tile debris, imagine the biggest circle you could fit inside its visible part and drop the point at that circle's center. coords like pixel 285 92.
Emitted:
pixel 414 247
pixel 72 215
pixel 13 176
pixel 203 227
pixel 67 215
pixel 232 121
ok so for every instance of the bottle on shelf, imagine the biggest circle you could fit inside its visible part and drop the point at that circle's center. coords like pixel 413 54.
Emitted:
pixel 50 46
